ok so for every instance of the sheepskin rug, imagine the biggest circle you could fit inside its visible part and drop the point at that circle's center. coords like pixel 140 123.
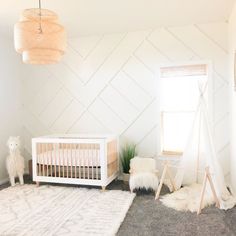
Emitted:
pixel 62 211
pixel 187 198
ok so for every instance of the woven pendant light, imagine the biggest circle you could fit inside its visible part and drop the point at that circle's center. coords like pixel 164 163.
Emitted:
pixel 39 37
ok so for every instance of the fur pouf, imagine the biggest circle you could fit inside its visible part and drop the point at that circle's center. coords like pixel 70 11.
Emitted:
pixel 15 162
pixel 144 180
pixel 143 174
pixel 187 198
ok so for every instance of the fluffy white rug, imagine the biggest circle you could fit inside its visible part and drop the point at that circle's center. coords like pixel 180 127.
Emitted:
pixel 49 210
pixel 187 198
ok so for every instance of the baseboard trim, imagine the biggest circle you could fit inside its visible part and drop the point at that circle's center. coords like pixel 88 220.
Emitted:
pixel 4 181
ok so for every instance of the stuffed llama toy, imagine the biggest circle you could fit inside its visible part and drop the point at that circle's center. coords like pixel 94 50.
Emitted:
pixel 15 162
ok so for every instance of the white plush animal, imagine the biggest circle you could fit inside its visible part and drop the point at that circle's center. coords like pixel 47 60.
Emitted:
pixel 15 162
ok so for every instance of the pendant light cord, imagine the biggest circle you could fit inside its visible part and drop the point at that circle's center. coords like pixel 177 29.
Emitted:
pixel 40 18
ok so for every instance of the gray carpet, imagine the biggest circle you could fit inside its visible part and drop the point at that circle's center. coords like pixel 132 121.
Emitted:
pixel 149 217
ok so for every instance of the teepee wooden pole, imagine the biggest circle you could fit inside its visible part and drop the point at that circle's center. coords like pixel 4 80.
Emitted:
pixel 202 193
pixel 198 150
pixel 207 176
pixel 212 188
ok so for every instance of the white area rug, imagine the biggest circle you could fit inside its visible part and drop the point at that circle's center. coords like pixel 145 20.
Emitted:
pixel 187 198
pixel 51 210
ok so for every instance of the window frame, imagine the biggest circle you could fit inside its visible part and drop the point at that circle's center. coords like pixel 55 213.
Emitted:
pixel 169 152
pixel 209 91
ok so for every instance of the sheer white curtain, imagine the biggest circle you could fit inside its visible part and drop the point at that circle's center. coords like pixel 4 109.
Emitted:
pixel 199 154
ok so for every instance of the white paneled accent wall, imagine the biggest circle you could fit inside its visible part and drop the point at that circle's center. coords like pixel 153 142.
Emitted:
pixel 108 83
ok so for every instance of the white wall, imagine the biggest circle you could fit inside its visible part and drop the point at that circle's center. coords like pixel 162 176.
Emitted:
pixel 107 83
pixel 232 50
pixel 10 99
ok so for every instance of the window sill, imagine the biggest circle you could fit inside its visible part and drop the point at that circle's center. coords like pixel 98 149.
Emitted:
pixel 170 156
pixel 170 153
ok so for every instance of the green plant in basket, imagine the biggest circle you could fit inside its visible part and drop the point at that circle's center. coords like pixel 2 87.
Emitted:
pixel 127 153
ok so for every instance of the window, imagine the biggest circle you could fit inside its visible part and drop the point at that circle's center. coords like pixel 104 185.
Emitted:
pixel 179 96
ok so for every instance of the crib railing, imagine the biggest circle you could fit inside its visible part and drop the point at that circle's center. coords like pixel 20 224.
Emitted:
pixel 78 161
pixel 69 160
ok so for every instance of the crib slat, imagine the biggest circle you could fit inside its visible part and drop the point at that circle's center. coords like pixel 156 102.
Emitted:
pixel 51 159
pixel 84 153
pixel 71 163
pixel 59 155
pixel 67 160
pixel 76 159
pixel 63 165
pixel 55 159
pixel 79 163
pixel 62 161
pixel 41 161
pixel 97 163
pixel 76 149
pixel 38 159
pixel 43 158
pixel 80 160
pixel 88 160
pixel 46 145
pixel 92 157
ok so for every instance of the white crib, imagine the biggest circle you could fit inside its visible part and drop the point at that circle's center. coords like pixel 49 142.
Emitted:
pixel 75 159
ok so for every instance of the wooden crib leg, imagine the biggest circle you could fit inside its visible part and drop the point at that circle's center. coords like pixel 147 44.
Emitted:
pixel 37 184
pixel 103 188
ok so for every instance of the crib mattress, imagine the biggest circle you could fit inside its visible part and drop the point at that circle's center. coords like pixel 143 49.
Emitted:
pixel 70 157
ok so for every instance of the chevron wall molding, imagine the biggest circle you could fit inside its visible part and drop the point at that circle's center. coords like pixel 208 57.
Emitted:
pixel 108 84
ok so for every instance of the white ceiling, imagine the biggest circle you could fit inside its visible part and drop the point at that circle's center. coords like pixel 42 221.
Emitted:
pixel 86 17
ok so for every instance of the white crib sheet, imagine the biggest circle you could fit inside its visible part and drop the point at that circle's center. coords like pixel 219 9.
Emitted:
pixel 70 157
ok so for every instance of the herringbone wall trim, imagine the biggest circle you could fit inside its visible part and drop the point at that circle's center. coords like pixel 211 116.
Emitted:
pixel 108 83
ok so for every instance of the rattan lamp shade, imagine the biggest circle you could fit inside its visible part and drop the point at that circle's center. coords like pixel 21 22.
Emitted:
pixel 40 40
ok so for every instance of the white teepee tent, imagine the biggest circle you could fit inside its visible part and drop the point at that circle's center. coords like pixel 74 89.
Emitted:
pixel 199 154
